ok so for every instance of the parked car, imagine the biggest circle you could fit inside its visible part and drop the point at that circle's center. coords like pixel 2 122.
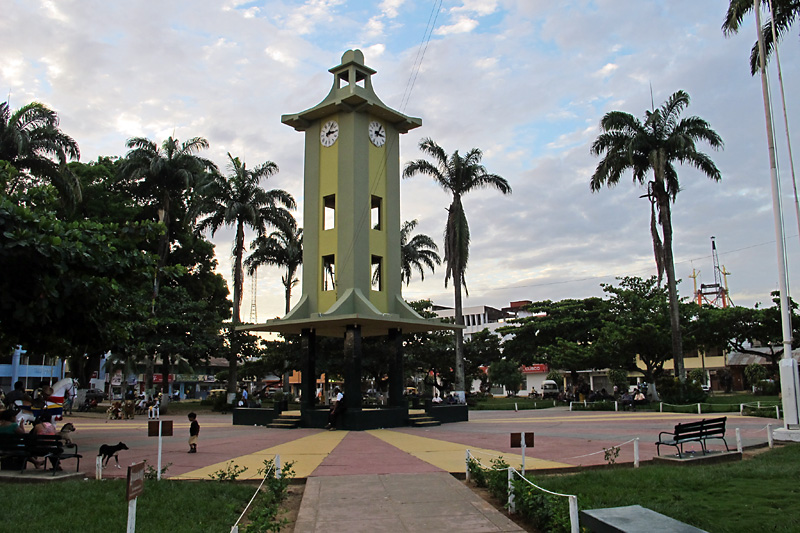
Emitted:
pixel 95 394
pixel 550 389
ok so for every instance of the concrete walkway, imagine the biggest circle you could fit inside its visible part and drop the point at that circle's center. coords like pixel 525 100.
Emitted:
pixel 396 503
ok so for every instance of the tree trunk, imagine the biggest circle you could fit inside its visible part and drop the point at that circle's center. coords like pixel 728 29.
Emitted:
pixel 674 308
pixel 238 285
pixel 287 372
pixel 459 370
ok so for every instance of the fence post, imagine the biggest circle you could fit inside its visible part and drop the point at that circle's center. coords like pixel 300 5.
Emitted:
pixel 660 407
pixel 778 412
pixel 466 462
pixel 511 507
pixel 636 452
pixel 277 466
pixel 570 406
pixel 98 468
pixel 699 412
pixel 616 405
pixel 574 525
pixel 739 440
pixel 741 409
pixel 759 404
pixel 769 436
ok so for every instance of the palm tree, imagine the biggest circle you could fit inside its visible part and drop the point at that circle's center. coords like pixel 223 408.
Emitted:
pixel 457 175
pixel 784 14
pixel 165 176
pixel 663 139
pixel 32 143
pixel 281 248
pixel 416 253
pixel 238 200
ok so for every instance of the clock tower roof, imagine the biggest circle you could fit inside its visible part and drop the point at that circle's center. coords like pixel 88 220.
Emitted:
pixel 352 91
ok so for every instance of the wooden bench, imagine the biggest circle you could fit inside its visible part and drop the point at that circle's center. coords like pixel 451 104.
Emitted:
pixel 700 431
pixel 29 446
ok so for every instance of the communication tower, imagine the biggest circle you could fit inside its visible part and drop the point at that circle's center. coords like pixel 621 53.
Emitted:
pixel 716 293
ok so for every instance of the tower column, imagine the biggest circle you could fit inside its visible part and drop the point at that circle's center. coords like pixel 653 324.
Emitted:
pixel 352 368
pixel 396 397
pixel 308 386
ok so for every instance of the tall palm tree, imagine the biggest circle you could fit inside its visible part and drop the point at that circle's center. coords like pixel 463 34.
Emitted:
pixel 416 252
pixel 457 175
pixel 281 248
pixel 165 176
pixel 655 145
pixel 785 12
pixel 238 200
pixel 32 143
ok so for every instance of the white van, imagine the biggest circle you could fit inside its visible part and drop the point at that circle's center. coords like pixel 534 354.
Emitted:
pixel 550 389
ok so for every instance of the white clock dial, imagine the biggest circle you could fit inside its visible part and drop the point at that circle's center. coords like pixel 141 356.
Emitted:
pixel 377 134
pixel 329 133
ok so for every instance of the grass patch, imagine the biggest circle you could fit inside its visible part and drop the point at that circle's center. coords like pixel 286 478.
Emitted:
pixel 757 494
pixel 174 506
pixel 736 399
pixel 507 404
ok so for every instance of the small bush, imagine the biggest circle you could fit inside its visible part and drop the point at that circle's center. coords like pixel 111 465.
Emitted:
pixel 768 388
pixel 543 511
pixel 675 391
pixel 230 473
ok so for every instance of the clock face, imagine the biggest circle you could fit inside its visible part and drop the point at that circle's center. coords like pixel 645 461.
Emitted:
pixel 377 134
pixel 329 133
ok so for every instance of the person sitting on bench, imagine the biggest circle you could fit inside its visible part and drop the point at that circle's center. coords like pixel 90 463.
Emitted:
pixel 336 409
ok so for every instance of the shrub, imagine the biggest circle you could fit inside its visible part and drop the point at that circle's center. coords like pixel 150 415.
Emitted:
pixel 543 511
pixel 755 373
pixel 675 391
pixel 229 473
pixel 768 388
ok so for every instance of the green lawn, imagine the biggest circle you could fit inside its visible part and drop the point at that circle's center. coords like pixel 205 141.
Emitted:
pixel 758 494
pixel 508 404
pixel 82 506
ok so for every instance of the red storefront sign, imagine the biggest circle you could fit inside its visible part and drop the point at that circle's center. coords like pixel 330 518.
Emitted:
pixel 159 378
pixel 535 369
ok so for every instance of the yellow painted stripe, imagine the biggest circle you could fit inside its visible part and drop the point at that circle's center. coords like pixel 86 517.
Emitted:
pixel 451 456
pixel 307 453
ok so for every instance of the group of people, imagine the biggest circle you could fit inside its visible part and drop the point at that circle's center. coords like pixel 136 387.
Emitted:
pixel 43 425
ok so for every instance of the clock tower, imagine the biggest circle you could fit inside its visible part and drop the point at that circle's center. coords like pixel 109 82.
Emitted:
pixel 351 229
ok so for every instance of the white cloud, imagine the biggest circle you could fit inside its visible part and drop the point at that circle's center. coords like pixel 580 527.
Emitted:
pixel 479 7
pixel 462 25
pixel 607 70
pixel 390 8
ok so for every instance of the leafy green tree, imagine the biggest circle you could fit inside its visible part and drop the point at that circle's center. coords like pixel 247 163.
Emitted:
pixel 637 323
pixel 429 354
pixel 562 334
pixel 784 14
pixel 656 144
pixel 74 287
pixel 506 372
pixel 481 350
pixel 738 329
pixel 161 178
pixel 238 200
pixel 619 378
pixel 457 175
pixel 282 248
pixel 31 141
pixel 417 252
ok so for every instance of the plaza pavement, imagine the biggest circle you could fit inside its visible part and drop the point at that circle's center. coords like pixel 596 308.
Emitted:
pixel 394 479
pixel 562 439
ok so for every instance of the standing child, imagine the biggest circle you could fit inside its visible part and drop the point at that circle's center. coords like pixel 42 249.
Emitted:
pixel 194 432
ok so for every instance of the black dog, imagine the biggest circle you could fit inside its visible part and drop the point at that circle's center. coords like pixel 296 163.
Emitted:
pixel 111 450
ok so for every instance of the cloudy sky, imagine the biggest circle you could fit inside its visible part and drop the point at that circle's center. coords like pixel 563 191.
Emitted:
pixel 527 81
